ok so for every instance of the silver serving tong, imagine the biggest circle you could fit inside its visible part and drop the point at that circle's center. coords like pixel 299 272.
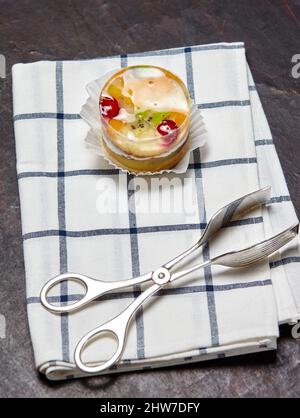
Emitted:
pixel 118 326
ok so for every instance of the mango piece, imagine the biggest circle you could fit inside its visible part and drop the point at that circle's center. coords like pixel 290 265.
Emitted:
pixel 177 117
pixel 115 88
pixel 114 91
pixel 119 82
pixel 126 103
pixel 118 125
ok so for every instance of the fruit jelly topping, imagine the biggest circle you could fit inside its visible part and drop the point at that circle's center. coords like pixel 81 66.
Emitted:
pixel 145 102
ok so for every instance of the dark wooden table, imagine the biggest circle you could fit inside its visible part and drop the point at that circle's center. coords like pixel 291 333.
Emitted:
pixel 32 30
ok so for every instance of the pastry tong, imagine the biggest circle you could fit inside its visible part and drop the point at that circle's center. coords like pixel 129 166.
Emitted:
pixel 158 278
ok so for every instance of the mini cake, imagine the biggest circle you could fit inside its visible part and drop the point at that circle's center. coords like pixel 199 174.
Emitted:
pixel 145 118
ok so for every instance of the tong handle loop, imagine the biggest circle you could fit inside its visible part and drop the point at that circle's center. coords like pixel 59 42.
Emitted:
pixel 118 328
pixel 113 328
pixel 93 288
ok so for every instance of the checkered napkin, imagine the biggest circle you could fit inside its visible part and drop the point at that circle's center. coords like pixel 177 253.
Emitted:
pixel 212 313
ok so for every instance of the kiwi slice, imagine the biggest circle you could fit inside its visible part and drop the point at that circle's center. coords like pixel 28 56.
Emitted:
pixel 151 117
pixel 142 128
pixel 146 123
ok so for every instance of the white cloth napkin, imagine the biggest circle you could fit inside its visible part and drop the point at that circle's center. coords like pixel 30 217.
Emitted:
pixel 216 313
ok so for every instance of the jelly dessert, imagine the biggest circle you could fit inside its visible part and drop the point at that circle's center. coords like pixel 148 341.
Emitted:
pixel 145 118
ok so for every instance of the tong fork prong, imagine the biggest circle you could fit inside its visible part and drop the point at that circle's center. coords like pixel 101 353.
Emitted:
pixel 223 216
pixel 246 256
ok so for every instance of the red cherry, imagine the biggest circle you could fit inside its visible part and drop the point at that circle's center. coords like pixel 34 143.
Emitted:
pixel 168 127
pixel 109 107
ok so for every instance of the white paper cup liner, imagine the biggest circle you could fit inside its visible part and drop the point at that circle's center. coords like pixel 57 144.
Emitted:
pixel 90 114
